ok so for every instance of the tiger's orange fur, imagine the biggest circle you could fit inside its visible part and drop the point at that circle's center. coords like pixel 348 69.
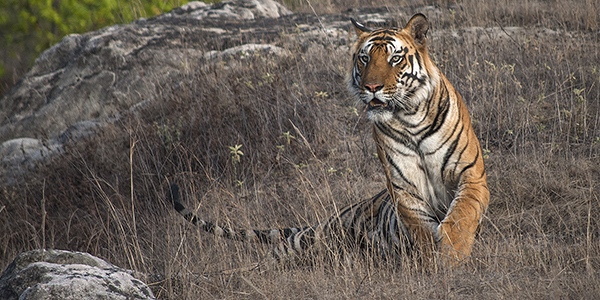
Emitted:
pixel 429 151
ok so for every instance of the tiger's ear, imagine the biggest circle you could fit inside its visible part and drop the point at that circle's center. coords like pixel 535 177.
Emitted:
pixel 360 28
pixel 417 27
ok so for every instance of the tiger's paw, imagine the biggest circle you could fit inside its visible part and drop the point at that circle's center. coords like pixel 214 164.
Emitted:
pixel 454 243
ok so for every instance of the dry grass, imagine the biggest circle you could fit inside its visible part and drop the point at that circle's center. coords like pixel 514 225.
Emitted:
pixel 535 102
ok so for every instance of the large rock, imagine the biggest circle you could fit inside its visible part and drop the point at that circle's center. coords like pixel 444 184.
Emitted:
pixel 100 74
pixel 57 274
pixel 97 76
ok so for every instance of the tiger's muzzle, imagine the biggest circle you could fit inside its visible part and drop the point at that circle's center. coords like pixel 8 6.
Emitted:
pixel 374 92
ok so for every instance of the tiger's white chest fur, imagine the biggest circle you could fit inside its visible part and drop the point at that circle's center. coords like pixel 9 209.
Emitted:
pixel 417 158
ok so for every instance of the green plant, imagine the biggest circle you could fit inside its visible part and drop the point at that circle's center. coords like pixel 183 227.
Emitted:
pixel 236 153
pixel 288 137
pixel 169 135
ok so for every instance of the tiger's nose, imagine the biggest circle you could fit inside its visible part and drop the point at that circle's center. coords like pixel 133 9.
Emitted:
pixel 374 87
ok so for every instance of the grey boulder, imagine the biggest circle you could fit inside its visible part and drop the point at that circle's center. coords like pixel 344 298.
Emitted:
pixel 58 274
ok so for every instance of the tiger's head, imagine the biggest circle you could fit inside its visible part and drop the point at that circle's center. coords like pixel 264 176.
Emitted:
pixel 392 72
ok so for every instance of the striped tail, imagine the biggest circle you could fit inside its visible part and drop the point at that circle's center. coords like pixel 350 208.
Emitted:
pixel 266 236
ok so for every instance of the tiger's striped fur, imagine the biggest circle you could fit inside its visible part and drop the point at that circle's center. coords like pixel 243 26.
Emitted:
pixel 371 223
pixel 429 151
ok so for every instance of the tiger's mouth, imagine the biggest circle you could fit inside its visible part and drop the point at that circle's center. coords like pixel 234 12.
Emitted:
pixel 376 103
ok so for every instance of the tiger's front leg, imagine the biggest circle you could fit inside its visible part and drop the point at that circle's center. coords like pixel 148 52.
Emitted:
pixel 456 233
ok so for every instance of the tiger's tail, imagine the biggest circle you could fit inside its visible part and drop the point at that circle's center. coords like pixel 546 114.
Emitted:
pixel 265 236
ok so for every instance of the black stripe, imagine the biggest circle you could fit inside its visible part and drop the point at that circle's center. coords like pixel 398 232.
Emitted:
pixel 410 58
pixel 406 124
pixel 450 151
pixel 357 214
pixel 427 112
pixel 376 197
pixel 397 136
pixel 307 239
pixel 419 213
pixel 416 196
pixel 288 231
pixel 469 165
pixel 381 38
pixel 413 77
pixel 418 59
pixel 387 149
pixel 442 144
pixel 440 117
pixel 391 162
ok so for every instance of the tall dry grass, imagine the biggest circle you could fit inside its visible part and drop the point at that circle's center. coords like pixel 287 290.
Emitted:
pixel 535 101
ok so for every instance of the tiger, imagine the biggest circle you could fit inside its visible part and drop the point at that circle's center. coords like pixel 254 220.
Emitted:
pixel 425 141
pixel 436 187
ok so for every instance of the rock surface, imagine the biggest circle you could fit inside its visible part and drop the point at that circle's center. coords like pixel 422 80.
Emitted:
pixel 236 10
pixel 58 274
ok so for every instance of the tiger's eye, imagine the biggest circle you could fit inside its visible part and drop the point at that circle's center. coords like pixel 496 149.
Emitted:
pixel 396 58
pixel 363 58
